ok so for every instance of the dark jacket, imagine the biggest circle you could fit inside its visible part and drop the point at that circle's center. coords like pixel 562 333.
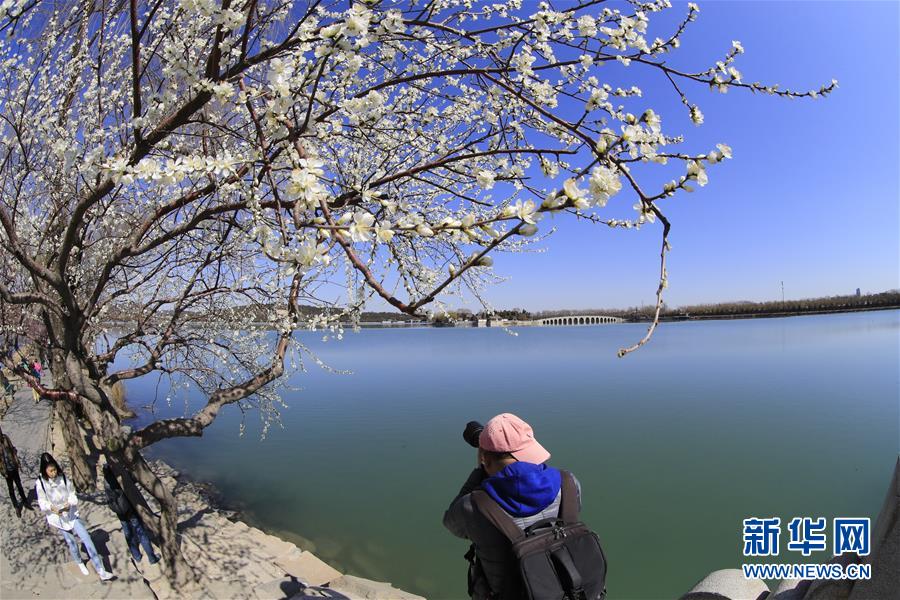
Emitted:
pixel 119 503
pixel 115 496
pixel 528 493
pixel 9 458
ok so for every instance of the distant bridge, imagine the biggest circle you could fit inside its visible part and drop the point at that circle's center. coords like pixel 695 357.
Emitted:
pixel 578 320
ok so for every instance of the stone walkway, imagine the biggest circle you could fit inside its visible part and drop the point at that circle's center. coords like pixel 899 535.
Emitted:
pixel 236 561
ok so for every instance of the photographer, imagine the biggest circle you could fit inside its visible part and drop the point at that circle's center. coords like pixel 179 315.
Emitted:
pixel 512 472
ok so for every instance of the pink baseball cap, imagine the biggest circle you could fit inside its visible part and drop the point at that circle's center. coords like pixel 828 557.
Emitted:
pixel 509 433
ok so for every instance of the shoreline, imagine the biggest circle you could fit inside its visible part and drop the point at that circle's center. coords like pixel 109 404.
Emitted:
pixel 298 572
pixel 232 558
pixel 217 501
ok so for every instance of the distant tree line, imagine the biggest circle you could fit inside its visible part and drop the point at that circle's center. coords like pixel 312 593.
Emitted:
pixel 889 299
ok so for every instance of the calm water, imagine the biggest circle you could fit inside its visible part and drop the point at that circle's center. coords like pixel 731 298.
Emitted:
pixel 711 423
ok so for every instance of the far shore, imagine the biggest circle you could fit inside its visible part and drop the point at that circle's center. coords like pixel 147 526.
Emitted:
pixel 643 318
pixel 770 315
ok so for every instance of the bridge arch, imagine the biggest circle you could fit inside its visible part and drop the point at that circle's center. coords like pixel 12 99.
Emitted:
pixel 577 320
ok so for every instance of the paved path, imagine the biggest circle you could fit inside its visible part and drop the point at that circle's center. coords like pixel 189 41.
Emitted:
pixel 34 559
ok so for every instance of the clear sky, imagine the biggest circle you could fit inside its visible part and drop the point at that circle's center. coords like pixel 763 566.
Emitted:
pixel 811 197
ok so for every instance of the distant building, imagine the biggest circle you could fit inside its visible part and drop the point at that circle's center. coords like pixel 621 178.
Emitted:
pixel 857 293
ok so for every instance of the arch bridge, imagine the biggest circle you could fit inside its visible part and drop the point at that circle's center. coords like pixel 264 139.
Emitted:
pixel 578 320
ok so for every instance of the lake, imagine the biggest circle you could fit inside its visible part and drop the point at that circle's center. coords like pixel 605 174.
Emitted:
pixel 711 423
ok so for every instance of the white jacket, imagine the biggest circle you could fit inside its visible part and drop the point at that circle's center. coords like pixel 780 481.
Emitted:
pixel 55 494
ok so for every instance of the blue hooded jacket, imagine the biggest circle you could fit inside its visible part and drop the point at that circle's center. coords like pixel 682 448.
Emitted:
pixel 523 489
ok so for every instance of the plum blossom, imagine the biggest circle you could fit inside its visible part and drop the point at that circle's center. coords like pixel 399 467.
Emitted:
pixel 528 230
pixel 575 194
pixel 357 21
pixel 383 232
pixel 361 228
pixel 646 213
pixel 523 61
pixel 604 183
pixel 554 201
pixel 587 26
pixel 526 211
pixel 310 254
pixel 549 168
pixel 485 179
pixel 696 115
pixel 598 97
pixel 695 170
pixel 393 22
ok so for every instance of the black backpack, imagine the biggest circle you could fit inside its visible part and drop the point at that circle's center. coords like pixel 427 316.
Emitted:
pixel 558 559
pixel 120 504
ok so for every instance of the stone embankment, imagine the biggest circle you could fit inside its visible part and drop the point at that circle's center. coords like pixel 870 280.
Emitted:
pixel 235 561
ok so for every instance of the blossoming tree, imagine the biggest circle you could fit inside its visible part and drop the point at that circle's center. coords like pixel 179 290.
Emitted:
pixel 179 179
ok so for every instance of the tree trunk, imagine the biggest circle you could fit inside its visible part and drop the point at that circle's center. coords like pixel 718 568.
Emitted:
pixel 179 573
pixel 84 476
pixel 77 445
pixel 108 436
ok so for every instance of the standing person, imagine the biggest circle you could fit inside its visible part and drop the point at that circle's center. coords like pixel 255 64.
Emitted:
pixel 9 462
pixel 132 527
pixel 512 472
pixel 56 497
pixel 36 369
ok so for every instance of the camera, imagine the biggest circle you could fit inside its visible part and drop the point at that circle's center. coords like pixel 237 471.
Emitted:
pixel 472 432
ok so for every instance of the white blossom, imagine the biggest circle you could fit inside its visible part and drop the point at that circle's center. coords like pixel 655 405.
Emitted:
pixel 604 183
pixel 587 26
pixel 357 21
pixel 696 171
pixel 485 179
pixel 526 211
pixel 360 230
pixel 696 115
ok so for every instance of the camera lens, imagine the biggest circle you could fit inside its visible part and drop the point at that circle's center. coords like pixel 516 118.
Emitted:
pixel 472 432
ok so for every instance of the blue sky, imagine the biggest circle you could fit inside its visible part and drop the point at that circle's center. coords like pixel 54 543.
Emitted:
pixel 811 197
